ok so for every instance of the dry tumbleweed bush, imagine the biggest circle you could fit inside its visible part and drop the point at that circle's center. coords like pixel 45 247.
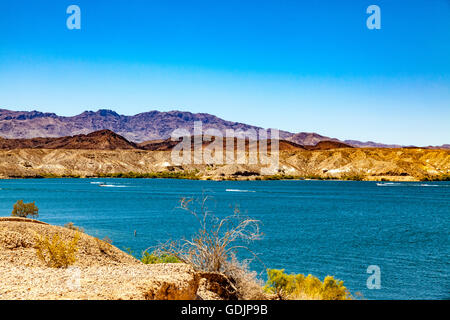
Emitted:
pixel 213 248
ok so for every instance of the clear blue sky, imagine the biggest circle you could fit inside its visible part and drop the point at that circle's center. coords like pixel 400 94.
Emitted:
pixel 294 65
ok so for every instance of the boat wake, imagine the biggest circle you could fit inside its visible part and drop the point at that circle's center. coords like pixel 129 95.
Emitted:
pixel 238 190
pixel 111 186
pixel 394 184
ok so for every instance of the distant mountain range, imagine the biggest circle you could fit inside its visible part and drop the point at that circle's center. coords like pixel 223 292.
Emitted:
pixel 147 126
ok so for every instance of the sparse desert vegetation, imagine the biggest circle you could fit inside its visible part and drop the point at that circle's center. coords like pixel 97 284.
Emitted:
pixel 207 261
pixel 55 252
pixel 25 210
pixel 299 287
pixel 192 175
pixel 212 250
pixel 158 257
pixel 442 177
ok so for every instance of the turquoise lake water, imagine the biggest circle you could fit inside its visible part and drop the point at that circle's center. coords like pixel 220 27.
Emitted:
pixel 312 227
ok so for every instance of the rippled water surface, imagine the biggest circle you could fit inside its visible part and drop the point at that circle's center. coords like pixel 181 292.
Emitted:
pixel 318 227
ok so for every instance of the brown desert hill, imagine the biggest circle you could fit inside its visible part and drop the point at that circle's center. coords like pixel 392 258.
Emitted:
pixel 285 145
pixel 101 271
pixel 308 138
pixel 169 144
pixel 99 140
pixel 108 140
pixel 158 145
pixel 328 145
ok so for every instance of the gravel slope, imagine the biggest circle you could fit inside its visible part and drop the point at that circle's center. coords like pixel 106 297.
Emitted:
pixel 101 271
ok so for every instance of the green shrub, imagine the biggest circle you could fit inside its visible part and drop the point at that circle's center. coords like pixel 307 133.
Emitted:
pixel 24 210
pixel 156 257
pixel 319 177
pixel 353 177
pixel 442 177
pixel 57 176
pixel 299 287
pixel 280 177
pixel 192 175
pixel 55 252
